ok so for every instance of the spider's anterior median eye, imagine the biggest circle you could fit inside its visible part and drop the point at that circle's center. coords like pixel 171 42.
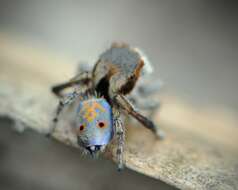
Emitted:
pixel 81 128
pixel 101 124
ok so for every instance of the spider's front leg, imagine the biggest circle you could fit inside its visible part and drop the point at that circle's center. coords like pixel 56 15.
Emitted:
pixel 62 103
pixel 120 133
pixel 83 78
pixel 125 104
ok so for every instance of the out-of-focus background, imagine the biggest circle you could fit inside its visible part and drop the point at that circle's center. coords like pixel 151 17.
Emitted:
pixel 192 44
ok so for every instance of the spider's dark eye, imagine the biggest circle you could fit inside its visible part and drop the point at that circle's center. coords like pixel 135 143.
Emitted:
pixel 101 124
pixel 81 128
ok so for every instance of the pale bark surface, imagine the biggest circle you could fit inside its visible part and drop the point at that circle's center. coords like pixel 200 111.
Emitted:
pixel 199 152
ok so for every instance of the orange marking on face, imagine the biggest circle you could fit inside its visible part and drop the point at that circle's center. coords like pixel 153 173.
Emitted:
pixel 90 110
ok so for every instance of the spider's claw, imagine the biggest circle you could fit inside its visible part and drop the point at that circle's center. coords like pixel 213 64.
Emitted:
pixel 160 134
pixel 120 167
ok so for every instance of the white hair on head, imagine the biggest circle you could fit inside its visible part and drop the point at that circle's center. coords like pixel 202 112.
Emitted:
pixel 148 68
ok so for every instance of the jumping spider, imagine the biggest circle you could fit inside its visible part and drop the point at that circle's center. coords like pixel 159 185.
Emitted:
pixel 112 78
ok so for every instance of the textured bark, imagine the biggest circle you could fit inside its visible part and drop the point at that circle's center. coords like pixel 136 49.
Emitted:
pixel 200 148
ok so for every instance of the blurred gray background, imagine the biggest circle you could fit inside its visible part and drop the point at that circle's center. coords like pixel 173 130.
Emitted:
pixel 192 44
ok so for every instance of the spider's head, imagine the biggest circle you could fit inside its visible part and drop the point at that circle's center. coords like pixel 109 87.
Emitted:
pixel 94 124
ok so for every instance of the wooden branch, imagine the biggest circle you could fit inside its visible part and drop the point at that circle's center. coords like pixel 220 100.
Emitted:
pixel 200 149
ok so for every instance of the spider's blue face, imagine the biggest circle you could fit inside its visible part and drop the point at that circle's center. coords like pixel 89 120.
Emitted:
pixel 94 124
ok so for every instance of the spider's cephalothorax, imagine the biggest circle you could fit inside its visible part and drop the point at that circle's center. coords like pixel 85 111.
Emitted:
pixel 113 77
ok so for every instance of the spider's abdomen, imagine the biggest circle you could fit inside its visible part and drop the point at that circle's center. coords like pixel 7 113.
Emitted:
pixel 119 67
pixel 123 58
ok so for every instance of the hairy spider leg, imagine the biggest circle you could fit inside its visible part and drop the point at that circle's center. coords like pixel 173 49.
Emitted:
pixel 120 132
pixel 125 104
pixel 83 78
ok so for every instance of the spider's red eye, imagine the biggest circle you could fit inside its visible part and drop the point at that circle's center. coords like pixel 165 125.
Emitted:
pixel 101 124
pixel 81 128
